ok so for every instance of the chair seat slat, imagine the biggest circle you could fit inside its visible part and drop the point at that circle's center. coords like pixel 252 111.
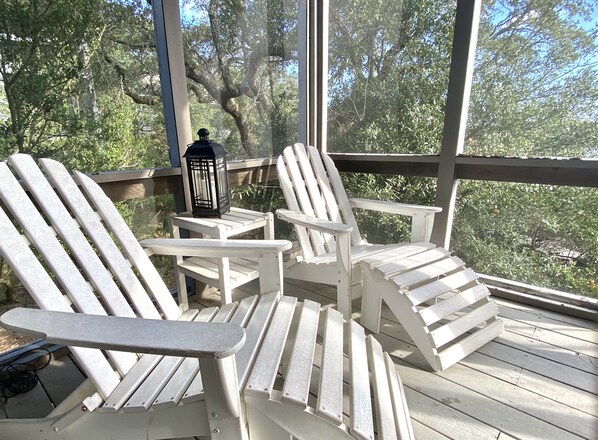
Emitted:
pixel 399 401
pixel 265 368
pixel 153 384
pixel 385 420
pixel 254 333
pixel 225 312
pixel 330 392
pixel 179 383
pixel 243 312
pixel 362 422
pixel 298 375
pixel 130 382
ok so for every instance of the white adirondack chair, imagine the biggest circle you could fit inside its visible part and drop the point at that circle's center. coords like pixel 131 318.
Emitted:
pixel 158 370
pixel 444 308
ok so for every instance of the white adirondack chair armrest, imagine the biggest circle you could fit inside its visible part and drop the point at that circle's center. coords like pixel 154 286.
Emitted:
pixel 422 217
pixel 198 247
pixel 393 207
pixel 310 222
pixel 153 336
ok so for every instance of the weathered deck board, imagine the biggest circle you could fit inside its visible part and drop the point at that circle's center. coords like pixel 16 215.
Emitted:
pixel 56 382
pixel 60 380
pixel 544 314
pixel 448 420
pixel 563 355
pixel 513 311
pixel 542 366
pixel 552 337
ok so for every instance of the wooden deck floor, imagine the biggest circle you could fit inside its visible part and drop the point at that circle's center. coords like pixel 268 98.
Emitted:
pixel 539 380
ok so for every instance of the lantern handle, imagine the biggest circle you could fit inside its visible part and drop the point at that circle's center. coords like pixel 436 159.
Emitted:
pixel 204 134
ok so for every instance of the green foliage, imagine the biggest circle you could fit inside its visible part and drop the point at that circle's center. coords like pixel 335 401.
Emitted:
pixel 538 234
pixel 148 218
pixel 42 60
pixel 264 198
pixel 535 93
pixel 242 59
pixel 385 228
pixel 389 64
pixel 536 80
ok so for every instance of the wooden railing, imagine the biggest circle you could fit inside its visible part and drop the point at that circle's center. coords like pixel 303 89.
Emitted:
pixel 126 185
pixel 123 185
pixel 550 171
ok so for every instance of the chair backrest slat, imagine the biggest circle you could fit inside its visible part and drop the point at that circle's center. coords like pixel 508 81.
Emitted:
pixel 343 201
pixel 361 409
pixel 71 234
pixel 300 188
pixel 130 246
pixel 383 404
pixel 313 190
pixel 39 284
pixel 324 184
pixel 299 372
pixel 312 186
pixel 44 239
pixel 288 189
pixel 103 243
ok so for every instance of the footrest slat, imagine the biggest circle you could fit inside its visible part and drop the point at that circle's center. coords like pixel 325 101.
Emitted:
pixel 463 324
pixel 468 345
pixel 459 301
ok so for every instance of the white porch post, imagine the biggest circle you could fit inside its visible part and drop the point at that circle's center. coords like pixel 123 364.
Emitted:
pixel 455 119
pixel 173 81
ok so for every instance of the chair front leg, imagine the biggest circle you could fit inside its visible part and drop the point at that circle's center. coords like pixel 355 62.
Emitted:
pixel 223 403
pixel 343 268
pixel 270 266
pixel 421 227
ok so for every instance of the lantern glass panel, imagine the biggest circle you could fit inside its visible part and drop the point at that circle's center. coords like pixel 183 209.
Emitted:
pixel 222 179
pixel 201 174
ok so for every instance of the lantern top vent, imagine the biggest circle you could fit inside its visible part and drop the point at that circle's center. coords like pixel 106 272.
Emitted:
pixel 204 148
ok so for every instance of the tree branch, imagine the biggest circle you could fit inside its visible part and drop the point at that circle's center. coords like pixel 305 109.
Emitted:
pixel 122 74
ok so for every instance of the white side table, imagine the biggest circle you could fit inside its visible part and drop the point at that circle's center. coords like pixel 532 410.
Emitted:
pixel 222 273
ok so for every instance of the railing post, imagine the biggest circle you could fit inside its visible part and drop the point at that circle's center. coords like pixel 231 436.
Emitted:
pixel 455 117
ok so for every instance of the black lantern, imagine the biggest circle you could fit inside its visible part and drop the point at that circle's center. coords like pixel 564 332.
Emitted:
pixel 208 178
